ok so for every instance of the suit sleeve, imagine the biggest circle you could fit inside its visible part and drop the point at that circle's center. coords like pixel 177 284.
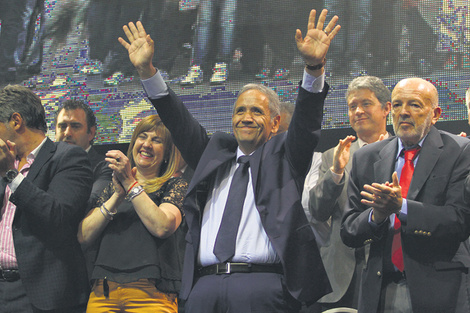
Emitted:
pixel 447 220
pixel 188 135
pixel 356 231
pixel 304 130
pixel 467 190
pixel 102 176
pixel 55 202
pixel 325 194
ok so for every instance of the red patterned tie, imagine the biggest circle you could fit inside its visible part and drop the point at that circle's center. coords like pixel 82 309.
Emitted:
pixel 405 180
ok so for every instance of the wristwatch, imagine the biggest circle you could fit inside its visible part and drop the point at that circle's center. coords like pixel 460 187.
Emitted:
pixel 10 175
pixel 135 191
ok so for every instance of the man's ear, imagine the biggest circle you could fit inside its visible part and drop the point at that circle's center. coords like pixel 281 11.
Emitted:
pixel 388 108
pixel 436 114
pixel 276 122
pixel 16 121
pixel 91 134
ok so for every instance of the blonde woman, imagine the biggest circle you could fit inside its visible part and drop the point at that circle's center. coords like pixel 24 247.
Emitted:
pixel 138 222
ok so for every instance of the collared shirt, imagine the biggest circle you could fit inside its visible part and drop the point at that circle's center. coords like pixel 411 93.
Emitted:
pixel 7 248
pixel 252 244
pixel 399 162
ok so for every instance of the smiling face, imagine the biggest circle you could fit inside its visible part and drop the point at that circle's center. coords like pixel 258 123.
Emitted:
pixel 72 128
pixel 366 114
pixel 413 111
pixel 251 120
pixel 148 152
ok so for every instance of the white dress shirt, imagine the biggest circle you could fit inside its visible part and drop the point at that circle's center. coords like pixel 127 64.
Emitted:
pixel 252 244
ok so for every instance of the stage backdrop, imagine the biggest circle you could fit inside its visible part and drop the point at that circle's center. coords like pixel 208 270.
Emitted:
pixel 69 49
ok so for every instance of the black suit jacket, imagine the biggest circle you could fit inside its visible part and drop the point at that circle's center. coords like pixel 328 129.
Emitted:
pixel 437 223
pixel 278 171
pixel 102 175
pixel 50 203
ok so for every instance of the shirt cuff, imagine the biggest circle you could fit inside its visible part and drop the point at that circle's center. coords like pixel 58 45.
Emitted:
pixel 336 177
pixel 373 224
pixel 313 84
pixel 402 216
pixel 155 86
pixel 16 182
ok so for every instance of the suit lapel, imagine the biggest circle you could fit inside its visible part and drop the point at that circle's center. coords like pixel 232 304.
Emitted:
pixel 384 167
pixel 428 157
pixel 3 185
pixel 255 161
pixel 45 153
pixel 210 166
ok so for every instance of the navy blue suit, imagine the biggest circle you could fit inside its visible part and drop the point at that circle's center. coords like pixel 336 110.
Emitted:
pixel 278 170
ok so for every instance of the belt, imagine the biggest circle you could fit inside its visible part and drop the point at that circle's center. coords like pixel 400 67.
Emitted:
pixel 10 275
pixel 229 268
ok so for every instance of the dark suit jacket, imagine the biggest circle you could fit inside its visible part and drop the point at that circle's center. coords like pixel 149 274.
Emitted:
pixel 278 171
pixel 327 203
pixel 50 203
pixel 102 175
pixel 438 221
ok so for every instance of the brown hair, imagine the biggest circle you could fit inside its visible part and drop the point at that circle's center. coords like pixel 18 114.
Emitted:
pixel 170 158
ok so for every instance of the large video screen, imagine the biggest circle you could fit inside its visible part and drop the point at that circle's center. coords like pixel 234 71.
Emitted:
pixel 208 49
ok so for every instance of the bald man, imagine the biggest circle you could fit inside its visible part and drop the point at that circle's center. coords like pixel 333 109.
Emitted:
pixel 425 220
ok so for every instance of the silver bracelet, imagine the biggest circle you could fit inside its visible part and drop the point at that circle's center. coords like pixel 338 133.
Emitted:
pixel 106 216
pixel 108 211
pixel 134 192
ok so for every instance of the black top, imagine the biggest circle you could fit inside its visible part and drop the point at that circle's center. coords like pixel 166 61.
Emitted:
pixel 129 252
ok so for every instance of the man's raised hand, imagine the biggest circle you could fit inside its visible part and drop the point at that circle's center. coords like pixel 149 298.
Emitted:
pixel 140 48
pixel 316 43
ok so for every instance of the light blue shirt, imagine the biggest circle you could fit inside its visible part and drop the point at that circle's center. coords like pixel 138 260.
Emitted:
pixel 399 162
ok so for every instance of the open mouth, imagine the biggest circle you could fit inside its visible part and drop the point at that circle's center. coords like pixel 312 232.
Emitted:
pixel 145 154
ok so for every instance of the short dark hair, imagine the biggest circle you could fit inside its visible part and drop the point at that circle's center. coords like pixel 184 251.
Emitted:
pixel 73 104
pixel 19 99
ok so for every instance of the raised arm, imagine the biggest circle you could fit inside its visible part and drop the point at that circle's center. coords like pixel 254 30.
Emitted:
pixel 304 129
pixel 188 135
pixel 140 48
pixel 324 196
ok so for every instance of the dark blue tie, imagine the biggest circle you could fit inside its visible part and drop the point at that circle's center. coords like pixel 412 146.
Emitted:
pixel 224 248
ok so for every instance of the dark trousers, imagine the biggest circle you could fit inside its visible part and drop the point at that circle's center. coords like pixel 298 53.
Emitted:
pixel 241 293
pixel 13 298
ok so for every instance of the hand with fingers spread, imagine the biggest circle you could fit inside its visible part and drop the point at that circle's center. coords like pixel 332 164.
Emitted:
pixel 341 155
pixel 7 156
pixel 384 199
pixel 140 48
pixel 316 43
